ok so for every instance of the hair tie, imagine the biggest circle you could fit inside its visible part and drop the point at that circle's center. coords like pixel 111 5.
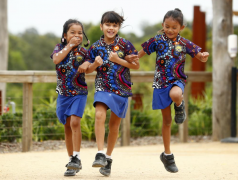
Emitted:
pixel 62 39
pixel 88 42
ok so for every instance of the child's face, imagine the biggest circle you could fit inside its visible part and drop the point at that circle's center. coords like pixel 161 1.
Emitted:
pixel 110 31
pixel 75 30
pixel 171 28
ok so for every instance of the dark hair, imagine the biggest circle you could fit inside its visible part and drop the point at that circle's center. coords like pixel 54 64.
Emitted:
pixel 66 27
pixel 112 17
pixel 176 14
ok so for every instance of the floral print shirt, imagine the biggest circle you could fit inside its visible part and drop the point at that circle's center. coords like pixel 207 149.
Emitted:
pixel 69 81
pixel 112 77
pixel 170 58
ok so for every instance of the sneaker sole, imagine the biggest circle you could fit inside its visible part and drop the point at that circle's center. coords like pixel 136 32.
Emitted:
pixel 181 122
pixel 75 167
pixel 104 173
pixel 166 167
pixel 99 164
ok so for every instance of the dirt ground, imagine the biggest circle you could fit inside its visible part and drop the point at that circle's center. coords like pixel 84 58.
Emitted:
pixel 196 161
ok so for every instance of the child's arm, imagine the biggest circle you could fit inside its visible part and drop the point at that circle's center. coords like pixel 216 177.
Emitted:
pixel 114 58
pixel 59 56
pixel 98 62
pixel 202 56
pixel 83 67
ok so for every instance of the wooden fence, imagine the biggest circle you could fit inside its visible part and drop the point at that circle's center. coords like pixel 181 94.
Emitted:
pixel 30 77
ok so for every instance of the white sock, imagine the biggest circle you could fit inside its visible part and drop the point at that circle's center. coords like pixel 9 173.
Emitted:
pixel 180 104
pixel 167 154
pixel 70 157
pixel 76 153
pixel 108 157
pixel 102 152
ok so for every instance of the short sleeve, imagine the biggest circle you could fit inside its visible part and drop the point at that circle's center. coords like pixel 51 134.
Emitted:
pixel 130 49
pixel 90 57
pixel 56 50
pixel 150 45
pixel 191 48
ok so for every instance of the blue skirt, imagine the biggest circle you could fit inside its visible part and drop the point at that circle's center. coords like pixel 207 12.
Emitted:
pixel 70 105
pixel 161 98
pixel 116 103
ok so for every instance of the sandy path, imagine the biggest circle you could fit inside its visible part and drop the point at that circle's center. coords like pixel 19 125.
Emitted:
pixel 196 161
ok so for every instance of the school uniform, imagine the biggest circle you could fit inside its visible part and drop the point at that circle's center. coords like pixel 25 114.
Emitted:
pixel 113 81
pixel 71 86
pixel 170 61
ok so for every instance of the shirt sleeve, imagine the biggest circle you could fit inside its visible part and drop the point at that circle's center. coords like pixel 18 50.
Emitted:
pixel 192 49
pixel 90 56
pixel 130 49
pixel 56 50
pixel 150 45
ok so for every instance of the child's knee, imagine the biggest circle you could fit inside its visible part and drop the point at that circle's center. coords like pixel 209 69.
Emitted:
pixel 176 95
pixel 75 123
pixel 167 122
pixel 99 115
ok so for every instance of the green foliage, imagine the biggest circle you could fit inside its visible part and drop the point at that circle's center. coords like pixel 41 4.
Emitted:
pixel 10 127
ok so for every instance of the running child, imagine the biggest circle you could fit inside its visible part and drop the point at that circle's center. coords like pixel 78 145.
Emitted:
pixel 112 84
pixel 69 57
pixel 169 78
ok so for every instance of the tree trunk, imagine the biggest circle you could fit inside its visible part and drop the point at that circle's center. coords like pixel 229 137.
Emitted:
pixel 222 64
pixel 3 45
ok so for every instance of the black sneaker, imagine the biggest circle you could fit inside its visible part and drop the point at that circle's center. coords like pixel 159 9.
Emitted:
pixel 100 160
pixel 75 163
pixel 169 163
pixel 106 171
pixel 180 114
pixel 70 172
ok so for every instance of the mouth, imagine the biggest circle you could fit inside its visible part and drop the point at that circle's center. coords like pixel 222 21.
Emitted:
pixel 111 33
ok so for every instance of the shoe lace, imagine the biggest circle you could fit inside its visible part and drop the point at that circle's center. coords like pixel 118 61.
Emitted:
pixel 74 159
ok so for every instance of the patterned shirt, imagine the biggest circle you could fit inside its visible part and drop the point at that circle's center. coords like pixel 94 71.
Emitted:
pixel 69 81
pixel 112 77
pixel 170 58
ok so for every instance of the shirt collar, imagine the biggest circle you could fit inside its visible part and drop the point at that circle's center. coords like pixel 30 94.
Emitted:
pixel 177 39
pixel 103 43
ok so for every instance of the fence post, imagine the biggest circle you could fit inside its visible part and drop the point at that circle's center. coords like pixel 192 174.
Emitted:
pixel 27 117
pixel 183 128
pixel 0 102
pixel 125 126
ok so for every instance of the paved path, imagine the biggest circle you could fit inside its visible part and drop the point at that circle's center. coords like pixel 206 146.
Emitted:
pixel 196 161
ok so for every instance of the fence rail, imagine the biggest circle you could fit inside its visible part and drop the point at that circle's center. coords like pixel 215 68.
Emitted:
pixel 30 77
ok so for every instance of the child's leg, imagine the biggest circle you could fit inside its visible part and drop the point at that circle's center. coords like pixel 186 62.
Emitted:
pixel 76 132
pixel 166 128
pixel 176 95
pixel 68 137
pixel 114 125
pixel 100 117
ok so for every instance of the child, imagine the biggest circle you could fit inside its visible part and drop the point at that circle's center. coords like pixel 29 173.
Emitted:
pixel 112 84
pixel 169 79
pixel 69 58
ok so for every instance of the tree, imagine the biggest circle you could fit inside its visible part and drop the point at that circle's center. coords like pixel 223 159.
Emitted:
pixel 3 44
pixel 222 64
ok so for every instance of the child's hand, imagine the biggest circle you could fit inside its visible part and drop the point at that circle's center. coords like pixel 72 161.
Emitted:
pixel 204 56
pixel 131 58
pixel 83 67
pixel 75 41
pixel 98 61
pixel 113 57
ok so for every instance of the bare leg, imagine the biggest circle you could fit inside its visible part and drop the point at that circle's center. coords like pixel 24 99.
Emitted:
pixel 76 132
pixel 176 95
pixel 114 125
pixel 166 128
pixel 68 137
pixel 100 118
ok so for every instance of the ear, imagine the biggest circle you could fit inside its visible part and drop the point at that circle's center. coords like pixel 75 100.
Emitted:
pixel 65 35
pixel 101 27
pixel 182 28
pixel 163 24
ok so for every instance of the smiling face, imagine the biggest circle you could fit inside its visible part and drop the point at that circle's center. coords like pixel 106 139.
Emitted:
pixel 110 31
pixel 75 30
pixel 171 28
